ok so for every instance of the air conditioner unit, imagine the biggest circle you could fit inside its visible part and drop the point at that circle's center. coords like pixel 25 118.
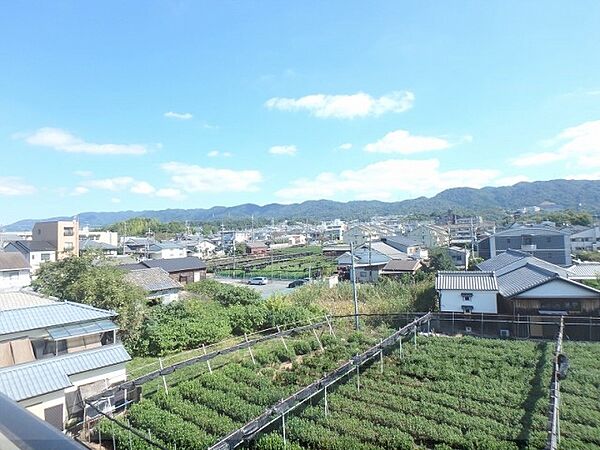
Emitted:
pixel 504 333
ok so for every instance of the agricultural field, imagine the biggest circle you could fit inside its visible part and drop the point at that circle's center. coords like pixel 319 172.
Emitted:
pixel 580 397
pixel 444 393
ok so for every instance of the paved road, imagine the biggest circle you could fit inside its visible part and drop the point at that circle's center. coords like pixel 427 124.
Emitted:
pixel 265 290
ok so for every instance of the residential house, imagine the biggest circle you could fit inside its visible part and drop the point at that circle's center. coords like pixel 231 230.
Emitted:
pixel 91 245
pixel 54 354
pixel 459 256
pixel 545 243
pixel 587 240
pixel 586 270
pixel 15 271
pixel 296 239
pixel 157 282
pixel 407 245
pixel 35 252
pixel 360 234
pixel 62 234
pixel 396 268
pixel 467 292
pixel 369 261
pixel 166 250
pixel 201 248
pixel 430 236
pixel 333 231
pixel 183 270
pixel 257 248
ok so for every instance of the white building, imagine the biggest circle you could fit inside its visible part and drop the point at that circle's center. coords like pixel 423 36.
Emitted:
pixel 54 354
pixel 35 252
pixel 166 250
pixel 467 292
pixel 106 237
pixel 15 272
pixel 360 234
pixel 586 240
pixel 430 236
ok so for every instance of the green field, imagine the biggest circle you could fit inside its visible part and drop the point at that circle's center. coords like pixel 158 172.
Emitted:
pixel 445 393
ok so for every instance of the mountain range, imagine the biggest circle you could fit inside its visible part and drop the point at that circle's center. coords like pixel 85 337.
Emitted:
pixel 568 194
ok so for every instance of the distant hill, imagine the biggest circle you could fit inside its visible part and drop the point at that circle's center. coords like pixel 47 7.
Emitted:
pixel 568 194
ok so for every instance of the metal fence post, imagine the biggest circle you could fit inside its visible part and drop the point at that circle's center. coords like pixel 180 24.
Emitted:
pixel 207 361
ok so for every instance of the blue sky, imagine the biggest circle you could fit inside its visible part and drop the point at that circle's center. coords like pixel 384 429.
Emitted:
pixel 173 104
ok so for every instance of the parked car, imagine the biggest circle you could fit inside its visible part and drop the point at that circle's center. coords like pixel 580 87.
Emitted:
pixel 297 283
pixel 258 280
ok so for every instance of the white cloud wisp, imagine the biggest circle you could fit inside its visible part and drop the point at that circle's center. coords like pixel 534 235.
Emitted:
pixel 192 178
pixel 402 142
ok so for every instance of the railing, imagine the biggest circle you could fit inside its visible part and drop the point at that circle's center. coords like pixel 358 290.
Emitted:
pixel 554 412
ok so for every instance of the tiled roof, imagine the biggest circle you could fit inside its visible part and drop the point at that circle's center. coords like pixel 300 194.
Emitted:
pixel 523 279
pixel 512 259
pixel 22 299
pixel 91 244
pixel 398 265
pixel 152 279
pixel 48 315
pixel 588 270
pixel 471 281
pixel 534 231
pixel 12 261
pixel 48 375
pixel 34 246
pixel 401 241
pixel 176 264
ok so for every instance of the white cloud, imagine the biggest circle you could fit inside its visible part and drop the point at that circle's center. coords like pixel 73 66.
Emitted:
pixel 345 106
pixel 80 190
pixel 289 150
pixel 169 193
pixel 142 187
pixel 111 184
pixel 346 146
pixel 178 116
pixel 217 153
pixel 13 186
pixel 387 180
pixel 64 141
pixel 192 178
pixel 577 146
pixel 402 142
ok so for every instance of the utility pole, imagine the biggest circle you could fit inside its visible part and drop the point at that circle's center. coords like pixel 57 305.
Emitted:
pixel 354 293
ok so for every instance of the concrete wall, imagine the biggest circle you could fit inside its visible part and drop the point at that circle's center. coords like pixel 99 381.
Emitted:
pixel 482 301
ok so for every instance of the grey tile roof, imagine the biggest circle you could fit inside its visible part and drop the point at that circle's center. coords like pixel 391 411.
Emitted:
pixel 48 375
pixel 22 299
pixel 176 264
pixel 398 265
pixel 91 244
pixel 468 281
pixel 534 231
pixel 33 246
pixel 12 261
pixel 400 241
pixel 384 249
pixel 512 259
pixel 49 315
pixel 585 270
pixel 152 279
pixel 523 279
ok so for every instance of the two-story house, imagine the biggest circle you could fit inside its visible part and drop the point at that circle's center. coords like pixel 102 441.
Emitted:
pixel 54 354
pixel 35 253
pixel 15 271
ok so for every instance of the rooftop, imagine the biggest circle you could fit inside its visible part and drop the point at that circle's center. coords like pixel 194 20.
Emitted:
pixel 34 246
pixel 12 261
pixel 152 279
pixel 585 270
pixel 176 264
pixel 400 265
pixel 33 317
pixel 512 259
pixel 471 281
pixel 48 375
pixel 22 299
pixel 523 279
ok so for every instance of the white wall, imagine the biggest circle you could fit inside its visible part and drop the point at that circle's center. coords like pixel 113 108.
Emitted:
pixel 14 279
pixel 482 301
pixel 558 289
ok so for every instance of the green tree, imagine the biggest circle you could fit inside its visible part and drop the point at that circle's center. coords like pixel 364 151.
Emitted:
pixel 440 260
pixel 91 281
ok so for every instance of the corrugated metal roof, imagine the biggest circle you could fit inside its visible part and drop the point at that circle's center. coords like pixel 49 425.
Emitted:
pixel 22 299
pixel 398 265
pixel 49 375
pixel 467 281
pixel 523 279
pixel 42 316
pixel 81 329
pixel 152 279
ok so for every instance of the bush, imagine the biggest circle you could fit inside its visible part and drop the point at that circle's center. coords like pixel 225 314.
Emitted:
pixel 247 318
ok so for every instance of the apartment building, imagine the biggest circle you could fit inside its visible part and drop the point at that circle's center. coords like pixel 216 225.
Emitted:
pixel 62 234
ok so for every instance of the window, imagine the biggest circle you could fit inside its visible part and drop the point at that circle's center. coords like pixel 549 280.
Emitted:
pixel 467 309
pixel 68 246
pixel 467 296
pixel 45 256
pixel 13 274
pixel 68 231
